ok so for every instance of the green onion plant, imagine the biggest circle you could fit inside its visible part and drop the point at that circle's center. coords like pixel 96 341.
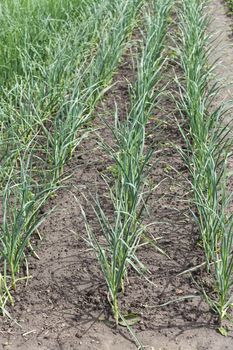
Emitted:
pixel 116 248
pixel 21 206
pixel 90 83
pixel 208 148
pixel 47 48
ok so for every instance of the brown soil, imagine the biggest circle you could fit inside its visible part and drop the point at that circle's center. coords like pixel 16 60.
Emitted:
pixel 64 305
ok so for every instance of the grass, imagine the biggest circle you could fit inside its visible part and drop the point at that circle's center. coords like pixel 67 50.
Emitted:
pixel 208 148
pixel 30 28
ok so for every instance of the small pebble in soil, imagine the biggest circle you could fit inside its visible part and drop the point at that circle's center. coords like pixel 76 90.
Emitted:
pixel 78 334
pixel 142 327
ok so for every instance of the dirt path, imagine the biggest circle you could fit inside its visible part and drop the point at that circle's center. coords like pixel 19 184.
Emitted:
pixel 60 307
pixel 221 28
